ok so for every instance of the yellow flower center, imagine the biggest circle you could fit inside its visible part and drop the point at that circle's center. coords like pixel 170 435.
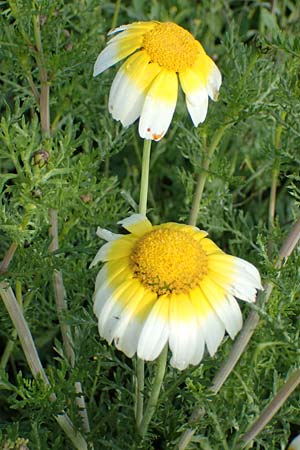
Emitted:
pixel 169 261
pixel 171 46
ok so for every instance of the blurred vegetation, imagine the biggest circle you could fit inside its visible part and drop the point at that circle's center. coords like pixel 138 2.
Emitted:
pixel 88 167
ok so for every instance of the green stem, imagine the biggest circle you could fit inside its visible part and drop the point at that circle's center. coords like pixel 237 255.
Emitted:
pixel 80 402
pixel 8 350
pixel 11 343
pixel 116 14
pixel 202 177
pixel 275 174
pixel 44 94
pixel 145 177
pixel 156 387
pixel 139 392
pixel 140 365
pixel 273 193
pixel 16 315
pixel 62 309
pixel 59 292
pixel 13 247
pixel 8 257
pixel 286 390
pixel 67 426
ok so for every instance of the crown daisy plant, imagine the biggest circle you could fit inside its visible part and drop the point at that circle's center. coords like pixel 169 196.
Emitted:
pixel 170 286
pixel 146 87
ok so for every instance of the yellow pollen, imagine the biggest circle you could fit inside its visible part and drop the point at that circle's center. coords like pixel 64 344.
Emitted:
pixel 169 261
pixel 171 46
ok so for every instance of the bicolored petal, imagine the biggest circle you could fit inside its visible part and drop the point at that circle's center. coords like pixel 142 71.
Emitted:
pixel 137 224
pixel 214 83
pixel 210 324
pixel 141 27
pixel 155 331
pixel 114 250
pixel 110 313
pixel 249 271
pixel 128 39
pixel 209 75
pixel 128 90
pixel 114 53
pixel 224 305
pixel 159 106
pixel 107 235
pixel 237 276
pixel 110 277
pixel 132 320
pixel 196 95
pixel 186 340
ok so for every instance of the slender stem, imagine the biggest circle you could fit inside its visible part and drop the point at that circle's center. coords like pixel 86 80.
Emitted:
pixel 62 308
pixel 116 14
pixel 273 193
pixel 275 174
pixel 80 401
pixel 289 244
pixel 202 177
pixel 140 365
pixel 44 94
pixel 33 88
pixel 8 257
pixel 11 343
pixel 59 293
pixel 16 315
pixel 156 387
pixel 33 360
pixel 8 350
pixel 275 404
pixel 113 25
pixel 67 426
pixel 145 177
pixel 139 392
pixel 13 247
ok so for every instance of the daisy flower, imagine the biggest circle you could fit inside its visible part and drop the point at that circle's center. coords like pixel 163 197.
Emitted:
pixel 169 284
pixel 146 85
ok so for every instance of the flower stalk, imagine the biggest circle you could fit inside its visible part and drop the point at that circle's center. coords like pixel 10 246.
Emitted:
pixel 145 177
pixel 282 395
pixel 45 87
pixel 140 365
pixel 156 387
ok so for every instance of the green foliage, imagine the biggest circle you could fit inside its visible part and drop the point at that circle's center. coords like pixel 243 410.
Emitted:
pixel 89 169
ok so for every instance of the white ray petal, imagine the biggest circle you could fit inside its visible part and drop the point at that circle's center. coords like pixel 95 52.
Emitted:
pixel 155 331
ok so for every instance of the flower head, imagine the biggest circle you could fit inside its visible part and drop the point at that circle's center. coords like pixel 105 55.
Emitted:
pixel 169 283
pixel 146 85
